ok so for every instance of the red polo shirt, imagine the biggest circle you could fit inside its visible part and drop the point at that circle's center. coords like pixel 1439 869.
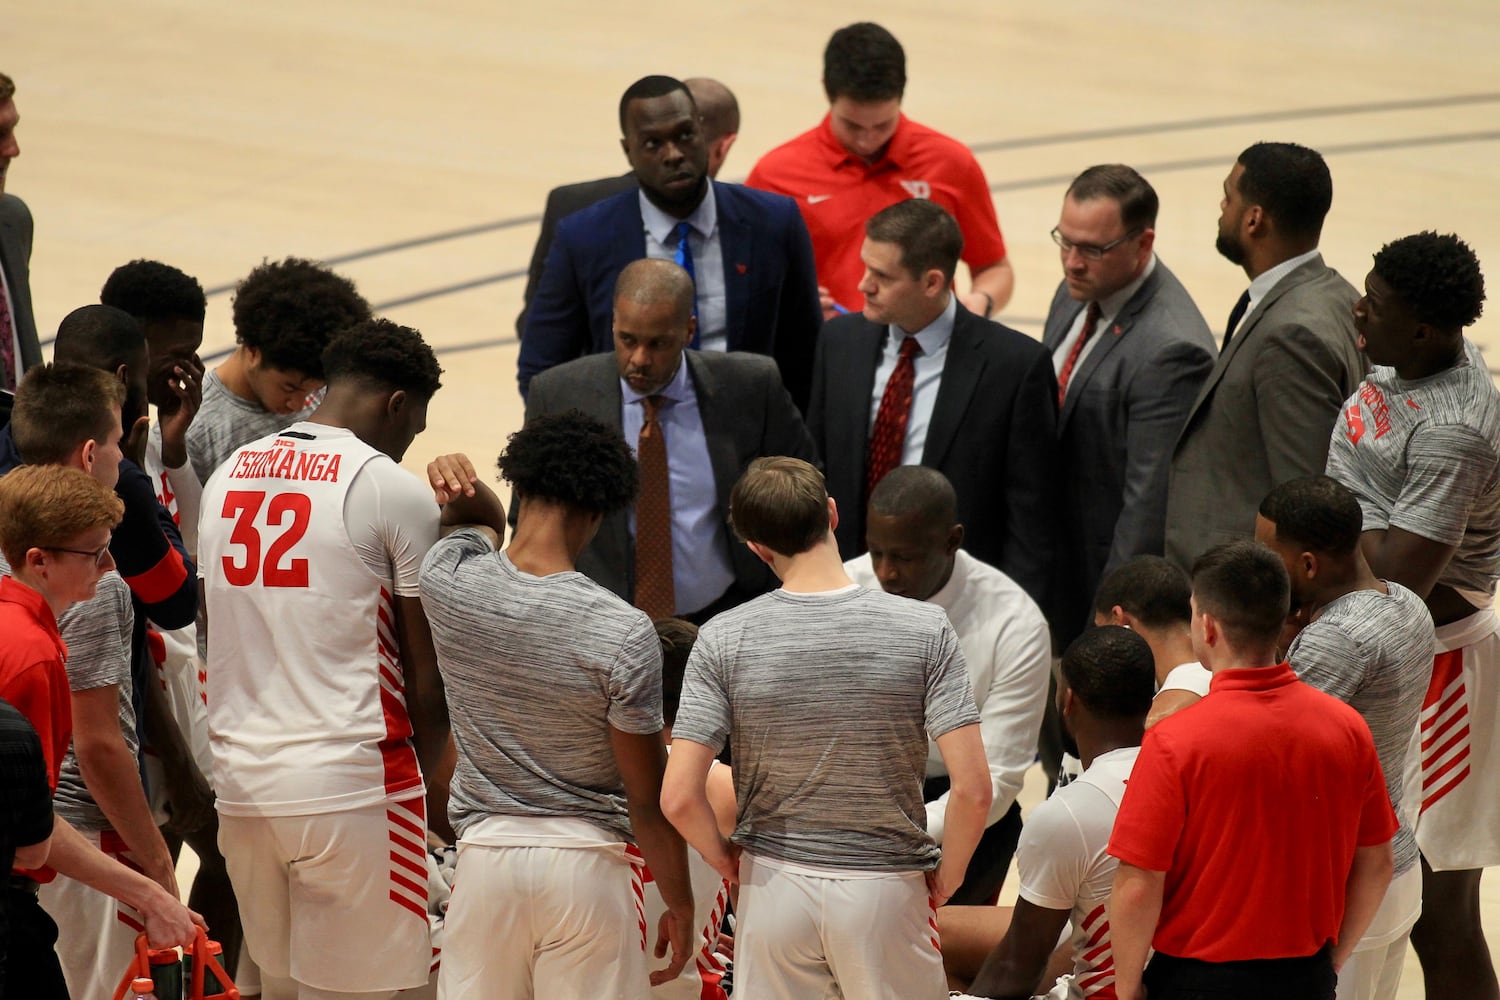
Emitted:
pixel 838 192
pixel 1253 802
pixel 33 677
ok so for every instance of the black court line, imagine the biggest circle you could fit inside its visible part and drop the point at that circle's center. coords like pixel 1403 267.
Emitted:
pixel 1222 121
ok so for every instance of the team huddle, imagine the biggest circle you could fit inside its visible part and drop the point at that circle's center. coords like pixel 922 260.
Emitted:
pixel 806 562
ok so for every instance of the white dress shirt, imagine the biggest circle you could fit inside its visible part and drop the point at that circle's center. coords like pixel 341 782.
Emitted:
pixel 1109 308
pixel 708 262
pixel 1008 650
pixel 927 367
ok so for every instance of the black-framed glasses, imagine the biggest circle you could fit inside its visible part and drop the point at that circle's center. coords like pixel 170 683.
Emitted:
pixel 1088 250
pixel 98 556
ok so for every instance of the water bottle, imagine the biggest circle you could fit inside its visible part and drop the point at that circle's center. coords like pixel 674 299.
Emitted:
pixel 166 973
pixel 142 989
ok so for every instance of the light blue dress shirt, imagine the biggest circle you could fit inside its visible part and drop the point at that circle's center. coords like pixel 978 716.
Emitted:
pixel 708 262
pixel 701 570
pixel 927 367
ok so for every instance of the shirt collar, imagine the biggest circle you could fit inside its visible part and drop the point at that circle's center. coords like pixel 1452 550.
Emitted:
pixel 896 150
pixel 678 390
pixel 13 591
pixel 1267 279
pixel 1253 678
pixel 947 595
pixel 704 220
pixel 1110 305
pixel 935 334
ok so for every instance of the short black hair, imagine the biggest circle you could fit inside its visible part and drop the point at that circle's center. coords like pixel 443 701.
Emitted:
pixel 1111 670
pixel 1315 514
pixel 1150 589
pixel 573 459
pixel 649 87
pixel 677 637
pixel 1244 585
pixel 383 353
pixel 1291 183
pixel 290 309
pixel 928 236
pixel 1437 276
pixel 864 63
pixel 1123 185
pixel 916 489
pixel 152 291
pixel 101 337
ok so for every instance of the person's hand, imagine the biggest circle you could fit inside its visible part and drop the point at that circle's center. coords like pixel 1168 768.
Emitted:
pixel 674 930
pixel 727 861
pixel 830 307
pixel 176 416
pixel 725 945
pixel 451 476
pixel 134 444
pixel 941 884
pixel 169 924
pixel 978 303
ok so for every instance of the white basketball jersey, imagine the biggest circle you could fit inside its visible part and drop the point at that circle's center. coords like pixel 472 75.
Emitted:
pixel 306 701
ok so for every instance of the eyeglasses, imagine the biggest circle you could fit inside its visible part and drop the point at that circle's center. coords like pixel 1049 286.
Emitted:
pixel 98 556
pixel 1089 251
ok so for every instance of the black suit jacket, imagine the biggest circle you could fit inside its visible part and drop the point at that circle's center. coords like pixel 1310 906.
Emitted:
pixel 562 202
pixel 993 434
pixel 746 413
pixel 15 257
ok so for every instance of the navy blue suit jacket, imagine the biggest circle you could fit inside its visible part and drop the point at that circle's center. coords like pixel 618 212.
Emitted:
pixel 770 284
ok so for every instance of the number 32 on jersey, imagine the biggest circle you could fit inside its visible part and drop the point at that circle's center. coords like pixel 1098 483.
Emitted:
pixel 281 523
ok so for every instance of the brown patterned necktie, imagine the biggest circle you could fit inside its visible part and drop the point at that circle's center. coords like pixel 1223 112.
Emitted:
pixel 1090 320
pixel 888 439
pixel 654 591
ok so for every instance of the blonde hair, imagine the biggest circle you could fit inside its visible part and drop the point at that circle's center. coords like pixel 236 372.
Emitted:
pixel 781 503
pixel 49 506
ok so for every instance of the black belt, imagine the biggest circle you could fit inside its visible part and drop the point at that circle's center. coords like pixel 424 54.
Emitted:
pixel 21 883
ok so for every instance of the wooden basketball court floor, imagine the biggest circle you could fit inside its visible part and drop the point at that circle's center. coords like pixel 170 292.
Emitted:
pixel 412 144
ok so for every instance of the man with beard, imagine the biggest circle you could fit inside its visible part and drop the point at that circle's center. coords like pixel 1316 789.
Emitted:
pixel 747 251
pixel 1288 359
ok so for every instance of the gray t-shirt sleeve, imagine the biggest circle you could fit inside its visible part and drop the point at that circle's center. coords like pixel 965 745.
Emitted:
pixel 703 710
pixel 1326 656
pixel 1448 468
pixel 635 682
pixel 97 632
pixel 950 692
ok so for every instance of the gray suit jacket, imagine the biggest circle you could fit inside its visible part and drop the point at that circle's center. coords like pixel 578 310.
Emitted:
pixel 747 414
pixel 1126 404
pixel 15 257
pixel 1267 410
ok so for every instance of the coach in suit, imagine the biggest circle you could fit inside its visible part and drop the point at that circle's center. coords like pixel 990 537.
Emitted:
pixel 713 412
pixel 1131 351
pixel 1289 358
pixel 720 114
pixel 748 251
pixel 917 379
pixel 17 324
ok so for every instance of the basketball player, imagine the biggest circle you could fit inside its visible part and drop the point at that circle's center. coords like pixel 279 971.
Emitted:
pixel 321 675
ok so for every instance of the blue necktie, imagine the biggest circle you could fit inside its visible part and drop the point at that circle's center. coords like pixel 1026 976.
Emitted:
pixel 683 258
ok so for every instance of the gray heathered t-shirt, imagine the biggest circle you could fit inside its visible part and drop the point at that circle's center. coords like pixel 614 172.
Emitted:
pixel 224 422
pixel 1374 651
pixel 97 634
pixel 537 669
pixel 828 701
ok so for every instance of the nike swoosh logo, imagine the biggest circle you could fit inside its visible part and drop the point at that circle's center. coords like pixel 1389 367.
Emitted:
pixel 813 199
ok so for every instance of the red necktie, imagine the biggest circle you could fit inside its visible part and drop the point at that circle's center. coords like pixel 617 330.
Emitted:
pixel 654 590
pixel 7 345
pixel 1090 320
pixel 889 437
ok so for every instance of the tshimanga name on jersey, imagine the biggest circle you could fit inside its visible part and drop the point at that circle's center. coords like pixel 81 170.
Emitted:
pixel 286 463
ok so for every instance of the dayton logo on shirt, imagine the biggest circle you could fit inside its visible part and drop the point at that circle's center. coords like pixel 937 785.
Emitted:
pixel 918 189
pixel 1375 400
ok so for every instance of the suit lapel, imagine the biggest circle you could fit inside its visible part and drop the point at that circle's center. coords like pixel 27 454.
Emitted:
pixel 1109 339
pixel 737 244
pixel 1060 320
pixel 962 371
pixel 858 380
pixel 718 426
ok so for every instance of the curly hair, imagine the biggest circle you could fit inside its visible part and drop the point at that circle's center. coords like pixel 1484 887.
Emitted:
pixel 288 311
pixel 384 353
pixel 573 459
pixel 1437 276
pixel 150 290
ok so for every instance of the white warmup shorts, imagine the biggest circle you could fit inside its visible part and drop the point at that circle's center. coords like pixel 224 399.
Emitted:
pixel 1457 748
pixel 703 973
pixel 1373 972
pixel 96 933
pixel 546 923
pixel 814 934
pixel 336 901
